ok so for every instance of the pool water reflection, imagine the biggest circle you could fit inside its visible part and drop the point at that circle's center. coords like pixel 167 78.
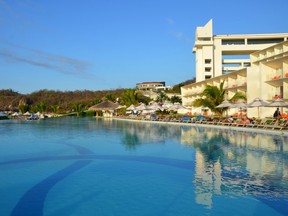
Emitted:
pixel 83 166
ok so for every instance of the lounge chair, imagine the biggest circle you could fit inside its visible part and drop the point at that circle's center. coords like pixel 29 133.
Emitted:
pixel 279 125
pixel 284 125
pixel 271 123
pixel 261 124
pixel 186 119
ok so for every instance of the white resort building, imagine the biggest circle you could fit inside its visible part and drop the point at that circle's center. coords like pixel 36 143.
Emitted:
pixel 256 64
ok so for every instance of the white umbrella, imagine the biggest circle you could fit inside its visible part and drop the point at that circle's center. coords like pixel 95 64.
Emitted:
pixel 155 106
pixel 167 105
pixel 16 114
pixel 176 107
pixel 239 104
pixel 225 104
pixel 141 107
pixel 278 103
pixel 257 102
pixel 131 107
pixel 121 107
pixel 27 113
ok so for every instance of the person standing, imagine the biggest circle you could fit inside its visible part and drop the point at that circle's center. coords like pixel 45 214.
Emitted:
pixel 277 113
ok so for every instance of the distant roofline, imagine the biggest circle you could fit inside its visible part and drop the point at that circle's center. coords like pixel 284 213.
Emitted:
pixel 150 83
pixel 251 35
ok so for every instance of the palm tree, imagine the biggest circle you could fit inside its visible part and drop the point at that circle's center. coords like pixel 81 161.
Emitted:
pixel 175 99
pixel 78 108
pixel 24 108
pixel 130 97
pixel 40 107
pixel 110 97
pixel 212 96
pixel 162 97
pixel 54 108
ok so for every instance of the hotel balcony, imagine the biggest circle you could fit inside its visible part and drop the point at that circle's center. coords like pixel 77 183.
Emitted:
pixel 277 80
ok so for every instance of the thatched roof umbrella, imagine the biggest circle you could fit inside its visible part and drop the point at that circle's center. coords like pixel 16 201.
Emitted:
pixel 105 105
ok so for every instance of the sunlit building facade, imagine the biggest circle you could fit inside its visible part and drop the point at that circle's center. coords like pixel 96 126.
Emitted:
pixel 256 65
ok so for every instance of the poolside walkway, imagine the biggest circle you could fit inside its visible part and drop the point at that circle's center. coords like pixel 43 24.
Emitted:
pixel 245 128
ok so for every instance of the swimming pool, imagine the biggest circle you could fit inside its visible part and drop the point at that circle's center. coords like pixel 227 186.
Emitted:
pixel 83 166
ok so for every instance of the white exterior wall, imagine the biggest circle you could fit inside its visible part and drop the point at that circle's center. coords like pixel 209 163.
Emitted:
pixel 267 77
pixel 217 58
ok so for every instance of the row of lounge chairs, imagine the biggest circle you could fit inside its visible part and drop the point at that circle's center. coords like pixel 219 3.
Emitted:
pixel 266 123
pixel 274 124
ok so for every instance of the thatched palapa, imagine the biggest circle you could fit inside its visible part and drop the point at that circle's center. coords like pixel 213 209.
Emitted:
pixel 105 105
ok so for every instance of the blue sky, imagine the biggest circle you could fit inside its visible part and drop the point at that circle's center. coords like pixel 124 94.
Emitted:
pixel 109 44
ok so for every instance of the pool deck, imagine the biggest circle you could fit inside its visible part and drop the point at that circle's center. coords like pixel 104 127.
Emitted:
pixel 224 127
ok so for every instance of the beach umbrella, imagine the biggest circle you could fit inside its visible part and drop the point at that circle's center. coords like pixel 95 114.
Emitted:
pixel 257 102
pixel 155 106
pixel 141 107
pixel 176 107
pixel 121 106
pixel 239 104
pixel 131 107
pixel 278 103
pixel 16 114
pixel 167 105
pixel 224 104
pixel 27 113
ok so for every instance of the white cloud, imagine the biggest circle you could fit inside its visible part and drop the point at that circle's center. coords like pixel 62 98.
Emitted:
pixel 62 64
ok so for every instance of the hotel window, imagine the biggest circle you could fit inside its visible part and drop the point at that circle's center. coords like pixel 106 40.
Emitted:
pixel 265 41
pixel 207 61
pixel 204 39
pixel 233 42
pixel 207 77
pixel 207 69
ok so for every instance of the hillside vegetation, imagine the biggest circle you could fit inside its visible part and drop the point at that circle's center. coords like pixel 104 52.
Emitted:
pixel 63 101
pixel 66 101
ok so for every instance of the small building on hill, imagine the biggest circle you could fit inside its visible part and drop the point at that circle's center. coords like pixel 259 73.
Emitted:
pixel 150 86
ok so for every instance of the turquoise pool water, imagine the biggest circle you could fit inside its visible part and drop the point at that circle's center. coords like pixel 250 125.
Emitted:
pixel 83 166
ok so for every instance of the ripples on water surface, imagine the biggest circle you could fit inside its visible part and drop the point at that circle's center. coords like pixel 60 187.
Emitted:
pixel 83 166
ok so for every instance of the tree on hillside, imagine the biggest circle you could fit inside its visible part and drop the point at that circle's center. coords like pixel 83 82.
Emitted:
pixel 110 97
pixel 54 108
pixel 177 88
pixel 212 96
pixel 8 92
pixel 40 107
pixel 24 108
